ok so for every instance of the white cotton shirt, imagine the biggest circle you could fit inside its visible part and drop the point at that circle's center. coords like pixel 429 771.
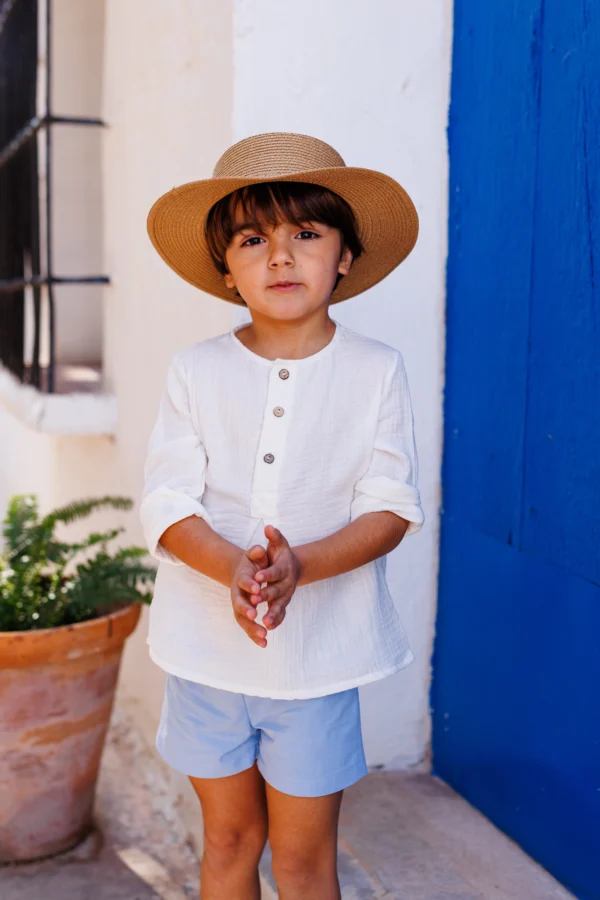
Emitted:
pixel 307 445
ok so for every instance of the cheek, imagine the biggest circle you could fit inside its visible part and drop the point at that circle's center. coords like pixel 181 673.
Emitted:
pixel 239 266
pixel 323 263
pixel 251 259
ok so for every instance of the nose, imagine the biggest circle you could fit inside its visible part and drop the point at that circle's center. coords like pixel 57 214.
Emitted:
pixel 281 253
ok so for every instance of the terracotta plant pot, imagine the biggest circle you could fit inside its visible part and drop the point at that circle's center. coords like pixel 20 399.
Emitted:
pixel 57 688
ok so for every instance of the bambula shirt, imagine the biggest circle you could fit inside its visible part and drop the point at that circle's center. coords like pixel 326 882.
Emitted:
pixel 307 445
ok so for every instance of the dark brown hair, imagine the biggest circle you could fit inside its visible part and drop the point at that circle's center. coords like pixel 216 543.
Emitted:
pixel 274 202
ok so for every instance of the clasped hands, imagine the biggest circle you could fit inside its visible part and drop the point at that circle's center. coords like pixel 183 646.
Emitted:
pixel 264 575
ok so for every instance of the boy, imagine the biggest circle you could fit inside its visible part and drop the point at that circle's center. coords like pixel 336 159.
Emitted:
pixel 296 430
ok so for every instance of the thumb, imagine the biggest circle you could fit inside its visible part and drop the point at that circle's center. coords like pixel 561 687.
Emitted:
pixel 275 536
pixel 258 554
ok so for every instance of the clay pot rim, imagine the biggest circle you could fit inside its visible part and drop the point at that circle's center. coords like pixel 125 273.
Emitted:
pixel 75 626
pixel 48 646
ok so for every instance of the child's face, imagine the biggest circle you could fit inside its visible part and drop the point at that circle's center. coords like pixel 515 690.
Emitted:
pixel 310 256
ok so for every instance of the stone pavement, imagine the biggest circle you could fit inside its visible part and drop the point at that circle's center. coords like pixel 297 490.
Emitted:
pixel 403 836
pixel 409 836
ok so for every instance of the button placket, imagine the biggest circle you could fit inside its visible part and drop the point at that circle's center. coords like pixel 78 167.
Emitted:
pixel 271 445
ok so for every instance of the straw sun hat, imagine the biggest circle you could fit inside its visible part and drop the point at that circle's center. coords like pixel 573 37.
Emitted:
pixel 387 219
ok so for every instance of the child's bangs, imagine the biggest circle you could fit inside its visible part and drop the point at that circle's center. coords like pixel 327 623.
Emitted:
pixel 281 202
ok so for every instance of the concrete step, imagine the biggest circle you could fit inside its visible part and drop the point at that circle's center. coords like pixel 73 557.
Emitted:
pixel 406 836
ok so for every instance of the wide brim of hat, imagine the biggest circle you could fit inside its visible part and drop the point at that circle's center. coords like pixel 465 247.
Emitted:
pixel 388 226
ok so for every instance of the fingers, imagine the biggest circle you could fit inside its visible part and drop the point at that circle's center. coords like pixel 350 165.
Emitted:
pixel 247 583
pixel 244 575
pixel 242 606
pixel 279 590
pixel 275 536
pixel 258 554
pixel 255 632
pixel 273 573
pixel 273 583
pixel 275 615
pixel 281 585
pixel 245 614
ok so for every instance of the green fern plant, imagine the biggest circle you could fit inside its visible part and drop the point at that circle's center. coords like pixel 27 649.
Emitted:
pixel 36 588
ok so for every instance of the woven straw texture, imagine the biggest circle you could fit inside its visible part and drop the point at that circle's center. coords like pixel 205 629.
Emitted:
pixel 387 220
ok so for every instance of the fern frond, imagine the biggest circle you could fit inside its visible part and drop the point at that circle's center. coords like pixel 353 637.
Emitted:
pixel 80 509
pixel 131 553
pixel 58 551
pixel 35 590
pixel 22 512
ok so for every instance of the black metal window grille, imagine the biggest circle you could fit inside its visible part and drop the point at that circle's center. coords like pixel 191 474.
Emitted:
pixel 25 215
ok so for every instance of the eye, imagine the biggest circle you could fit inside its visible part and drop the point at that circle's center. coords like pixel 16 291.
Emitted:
pixel 306 231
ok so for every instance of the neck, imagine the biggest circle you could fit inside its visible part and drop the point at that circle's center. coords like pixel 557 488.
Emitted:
pixel 287 340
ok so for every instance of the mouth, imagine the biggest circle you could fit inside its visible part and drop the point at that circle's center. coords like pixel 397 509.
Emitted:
pixel 284 286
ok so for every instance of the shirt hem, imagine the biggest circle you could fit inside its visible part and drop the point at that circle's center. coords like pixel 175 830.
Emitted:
pixel 299 694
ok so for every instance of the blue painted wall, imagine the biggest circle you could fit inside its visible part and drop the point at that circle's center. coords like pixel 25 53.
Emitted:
pixel 517 652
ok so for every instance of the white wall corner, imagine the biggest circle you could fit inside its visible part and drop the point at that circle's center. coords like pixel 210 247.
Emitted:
pixel 78 414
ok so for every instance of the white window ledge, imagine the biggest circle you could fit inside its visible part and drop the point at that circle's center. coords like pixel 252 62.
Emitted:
pixel 76 413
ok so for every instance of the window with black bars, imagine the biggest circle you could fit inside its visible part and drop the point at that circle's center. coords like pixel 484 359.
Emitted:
pixel 26 192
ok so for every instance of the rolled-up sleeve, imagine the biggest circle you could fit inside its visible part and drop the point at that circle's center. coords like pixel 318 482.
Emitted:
pixel 390 482
pixel 175 466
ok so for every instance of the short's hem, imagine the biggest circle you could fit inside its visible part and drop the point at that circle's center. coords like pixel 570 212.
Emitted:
pixel 316 787
pixel 306 694
pixel 192 770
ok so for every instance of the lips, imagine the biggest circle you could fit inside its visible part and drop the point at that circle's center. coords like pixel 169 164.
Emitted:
pixel 284 284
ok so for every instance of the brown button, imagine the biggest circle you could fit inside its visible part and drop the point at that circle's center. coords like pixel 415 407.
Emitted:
pixel 278 411
pixel 268 457
pixel 283 373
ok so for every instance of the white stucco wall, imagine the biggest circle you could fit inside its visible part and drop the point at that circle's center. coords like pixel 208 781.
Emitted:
pixel 167 101
pixel 373 81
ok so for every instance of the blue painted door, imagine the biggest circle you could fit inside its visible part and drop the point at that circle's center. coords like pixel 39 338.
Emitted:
pixel 515 693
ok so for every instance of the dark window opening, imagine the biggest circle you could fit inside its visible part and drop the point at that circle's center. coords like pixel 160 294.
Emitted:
pixel 25 200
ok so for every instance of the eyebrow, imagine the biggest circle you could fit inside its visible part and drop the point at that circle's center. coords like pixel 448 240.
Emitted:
pixel 254 226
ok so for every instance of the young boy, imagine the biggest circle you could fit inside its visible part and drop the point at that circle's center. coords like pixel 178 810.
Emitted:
pixel 280 472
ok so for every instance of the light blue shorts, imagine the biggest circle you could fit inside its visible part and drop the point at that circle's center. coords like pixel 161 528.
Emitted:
pixel 306 748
